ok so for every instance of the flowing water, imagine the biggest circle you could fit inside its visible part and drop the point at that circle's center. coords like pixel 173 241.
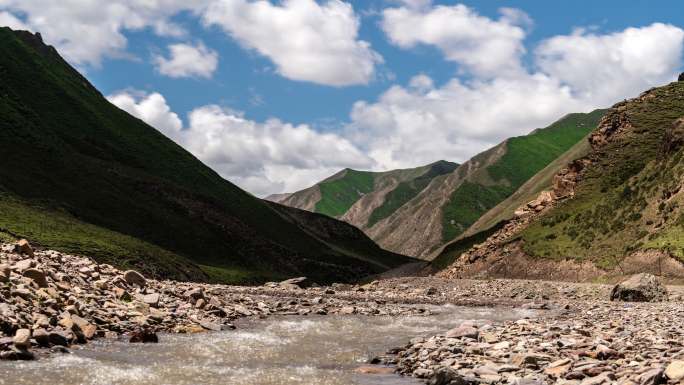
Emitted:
pixel 283 350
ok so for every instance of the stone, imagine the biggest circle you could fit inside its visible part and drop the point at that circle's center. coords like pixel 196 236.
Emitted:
pixel 16 354
pixel 42 337
pixel 143 336
pixel 152 299
pixel 210 326
pixel 38 276
pixel 22 265
pixel 84 326
pixel 466 331
pixel 431 291
pixel 132 277
pixel 525 360
pixel 22 339
pixel 374 369
pixel 58 338
pixel 642 287
pixel 651 377
pixel 23 247
pixel 5 272
pixel 348 310
pixel 680 78
pixel 675 370
pixel 194 294
pixel 301 282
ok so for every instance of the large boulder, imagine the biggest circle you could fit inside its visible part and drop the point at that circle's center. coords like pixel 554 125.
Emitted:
pixel 23 247
pixel 132 277
pixel 681 77
pixel 642 287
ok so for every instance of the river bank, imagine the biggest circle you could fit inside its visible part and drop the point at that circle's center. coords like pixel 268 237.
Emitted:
pixel 51 302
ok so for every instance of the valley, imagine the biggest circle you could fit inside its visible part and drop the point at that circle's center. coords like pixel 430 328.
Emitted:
pixel 515 220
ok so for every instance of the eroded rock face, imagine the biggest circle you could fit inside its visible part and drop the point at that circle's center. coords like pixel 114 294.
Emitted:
pixel 639 288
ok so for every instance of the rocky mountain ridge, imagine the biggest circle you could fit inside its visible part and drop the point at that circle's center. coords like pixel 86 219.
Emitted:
pixel 625 195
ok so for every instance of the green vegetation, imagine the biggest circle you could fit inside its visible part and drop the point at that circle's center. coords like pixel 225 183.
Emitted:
pixel 524 156
pixel 82 175
pixel 339 194
pixel 454 249
pixel 629 197
pixel 407 190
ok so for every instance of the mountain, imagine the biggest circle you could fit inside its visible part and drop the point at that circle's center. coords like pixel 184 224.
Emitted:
pixel 614 210
pixel 476 186
pixel 364 198
pixel 82 176
pixel 418 211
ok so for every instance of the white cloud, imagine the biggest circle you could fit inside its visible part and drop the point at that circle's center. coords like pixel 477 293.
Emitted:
pixel 604 68
pixel 266 157
pixel 187 61
pixel 417 125
pixel 307 41
pixel 421 122
pixel 86 31
pixel 483 46
pixel 9 20
pixel 151 108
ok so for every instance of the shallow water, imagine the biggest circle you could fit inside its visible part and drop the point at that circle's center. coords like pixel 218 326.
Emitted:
pixel 311 350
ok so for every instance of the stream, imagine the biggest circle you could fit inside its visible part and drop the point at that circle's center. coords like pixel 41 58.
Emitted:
pixel 279 350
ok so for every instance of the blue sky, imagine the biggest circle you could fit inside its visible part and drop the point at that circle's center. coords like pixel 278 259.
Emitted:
pixel 257 92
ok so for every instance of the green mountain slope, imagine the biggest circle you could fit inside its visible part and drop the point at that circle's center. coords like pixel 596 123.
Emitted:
pixel 629 198
pixel 613 210
pixel 452 203
pixel 524 156
pixel 378 194
pixel 146 202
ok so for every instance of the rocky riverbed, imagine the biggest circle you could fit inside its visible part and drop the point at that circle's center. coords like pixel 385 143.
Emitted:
pixel 51 302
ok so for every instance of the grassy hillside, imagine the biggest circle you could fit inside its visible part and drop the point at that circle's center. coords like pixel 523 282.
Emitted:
pixel 407 190
pixel 524 156
pixel 630 197
pixel 339 194
pixel 67 150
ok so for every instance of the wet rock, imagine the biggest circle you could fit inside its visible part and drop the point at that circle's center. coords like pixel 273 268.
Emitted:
pixel 642 287
pixel 58 338
pixel 374 369
pixel 143 336
pixel 16 354
pixel 38 276
pixel 132 277
pixel 84 326
pixel 42 337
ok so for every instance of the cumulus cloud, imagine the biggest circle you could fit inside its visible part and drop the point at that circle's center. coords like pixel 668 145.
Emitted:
pixel 262 157
pixel 307 41
pixel 9 20
pixel 86 31
pixel 603 68
pixel 481 45
pixel 152 109
pixel 499 97
pixel 187 61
